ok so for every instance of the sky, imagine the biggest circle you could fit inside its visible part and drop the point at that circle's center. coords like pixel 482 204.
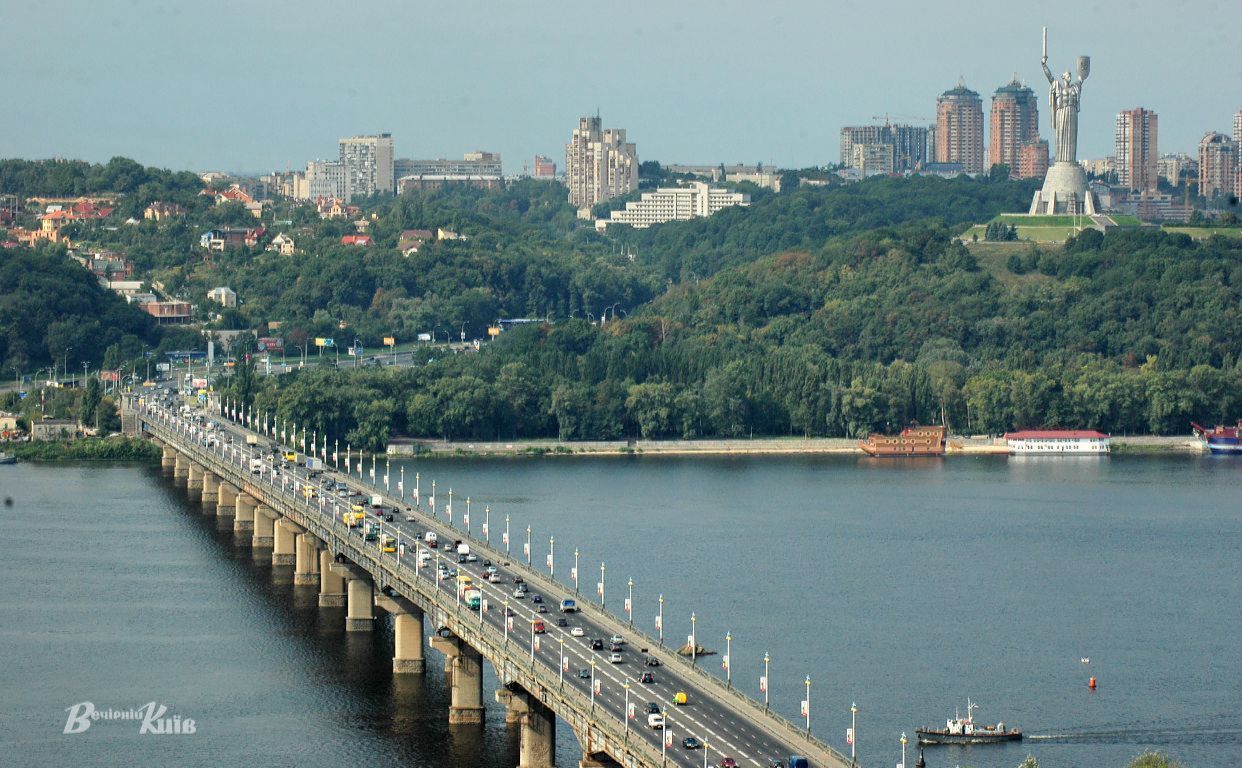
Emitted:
pixel 261 86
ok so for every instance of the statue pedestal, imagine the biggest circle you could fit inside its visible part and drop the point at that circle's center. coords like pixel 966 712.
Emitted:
pixel 1065 191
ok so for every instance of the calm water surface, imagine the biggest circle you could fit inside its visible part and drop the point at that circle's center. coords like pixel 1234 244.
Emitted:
pixel 902 587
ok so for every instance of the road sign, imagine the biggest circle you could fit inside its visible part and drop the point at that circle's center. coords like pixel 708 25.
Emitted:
pixel 390 341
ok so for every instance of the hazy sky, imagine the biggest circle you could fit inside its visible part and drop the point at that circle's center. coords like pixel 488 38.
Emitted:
pixel 256 86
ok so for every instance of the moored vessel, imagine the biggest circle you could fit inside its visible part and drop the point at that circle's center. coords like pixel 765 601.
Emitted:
pixel 1220 439
pixel 913 441
pixel 964 730
pixel 7 458
pixel 1057 442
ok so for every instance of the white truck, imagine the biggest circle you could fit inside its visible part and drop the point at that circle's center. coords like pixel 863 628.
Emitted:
pixel 463 548
pixel 252 438
pixel 314 464
pixel 655 720
pixel 256 466
pixel 377 500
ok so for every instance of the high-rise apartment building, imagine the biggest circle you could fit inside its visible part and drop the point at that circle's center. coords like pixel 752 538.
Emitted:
pixel 368 163
pixel 1033 159
pixel 908 145
pixel 1014 123
pixel 1237 131
pixel 599 164
pixel 697 199
pixel 1177 168
pixel 1136 151
pixel 325 179
pixel 959 129
pixel 1217 165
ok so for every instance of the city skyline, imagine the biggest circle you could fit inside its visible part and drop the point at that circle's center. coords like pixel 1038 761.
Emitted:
pixel 748 84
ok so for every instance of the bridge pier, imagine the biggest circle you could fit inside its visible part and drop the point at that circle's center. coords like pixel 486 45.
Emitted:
pixel 211 489
pixel 194 481
pixel 331 584
pixel 181 470
pixel 538 728
pixel 593 752
pixel 284 536
pixel 306 559
pixel 264 523
pixel 168 460
pixel 359 607
pixel 226 500
pixel 407 628
pixel 466 679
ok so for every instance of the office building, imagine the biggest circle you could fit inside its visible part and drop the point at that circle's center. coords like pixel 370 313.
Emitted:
pixel 697 199
pixel 599 164
pixel 368 165
pixel 1136 152
pixel 1014 123
pixel 959 129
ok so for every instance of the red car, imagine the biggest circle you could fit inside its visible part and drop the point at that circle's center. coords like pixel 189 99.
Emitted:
pixel 646 677
pixel 728 762
pixel 539 628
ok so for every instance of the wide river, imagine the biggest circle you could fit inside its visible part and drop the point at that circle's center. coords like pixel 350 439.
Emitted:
pixel 902 587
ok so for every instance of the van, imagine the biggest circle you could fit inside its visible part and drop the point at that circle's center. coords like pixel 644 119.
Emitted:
pixel 655 720
pixel 568 606
pixel 680 698
pixel 291 456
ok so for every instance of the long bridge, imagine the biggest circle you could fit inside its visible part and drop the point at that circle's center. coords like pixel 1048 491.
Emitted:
pixel 305 519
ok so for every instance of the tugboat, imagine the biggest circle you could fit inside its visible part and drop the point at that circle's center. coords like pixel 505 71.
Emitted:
pixel 1221 439
pixel 964 730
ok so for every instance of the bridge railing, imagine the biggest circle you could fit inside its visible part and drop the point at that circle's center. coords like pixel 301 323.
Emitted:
pixel 513 665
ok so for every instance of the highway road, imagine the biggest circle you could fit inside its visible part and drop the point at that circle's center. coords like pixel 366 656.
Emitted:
pixel 725 726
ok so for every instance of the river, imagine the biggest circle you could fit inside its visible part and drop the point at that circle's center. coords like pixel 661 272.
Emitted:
pixel 901 587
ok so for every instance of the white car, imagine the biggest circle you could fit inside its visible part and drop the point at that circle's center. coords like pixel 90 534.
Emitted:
pixel 519 594
pixel 617 640
pixel 615 658
pixel 577 632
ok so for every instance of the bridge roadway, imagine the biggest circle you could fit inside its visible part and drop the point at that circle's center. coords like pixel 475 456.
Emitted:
pixel 727 722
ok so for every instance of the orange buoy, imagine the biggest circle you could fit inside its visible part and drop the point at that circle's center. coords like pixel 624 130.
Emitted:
pixel 1091 683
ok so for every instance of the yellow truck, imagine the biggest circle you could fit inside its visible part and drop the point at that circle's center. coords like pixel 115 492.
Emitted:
pixel 680 698
pixel 388 542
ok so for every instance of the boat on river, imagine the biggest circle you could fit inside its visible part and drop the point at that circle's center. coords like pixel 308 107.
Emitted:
pixel 964 730
pixel 1221 439
pixel 7 458
pixel 913 441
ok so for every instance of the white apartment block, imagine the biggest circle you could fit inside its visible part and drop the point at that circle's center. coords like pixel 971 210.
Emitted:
pixel 674 204
pixel 599 164
pixel 368 166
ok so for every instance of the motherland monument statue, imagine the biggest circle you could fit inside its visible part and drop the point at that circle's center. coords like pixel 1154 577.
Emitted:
pixel 1065 188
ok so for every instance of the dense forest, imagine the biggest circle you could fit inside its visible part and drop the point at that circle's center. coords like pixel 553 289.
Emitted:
pixel 825 310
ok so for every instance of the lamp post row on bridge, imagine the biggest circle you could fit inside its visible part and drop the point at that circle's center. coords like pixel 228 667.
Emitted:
pixel 252 417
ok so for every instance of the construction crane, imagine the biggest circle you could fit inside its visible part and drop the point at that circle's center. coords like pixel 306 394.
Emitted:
pixel 886 117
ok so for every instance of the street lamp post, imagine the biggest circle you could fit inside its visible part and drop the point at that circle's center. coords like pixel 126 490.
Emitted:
pixel 507 533
pixel 601 585
pixel 660 620
pixel 504 619
pixel 487 520
pixel 903 750
pixel 561 658
pixel 854 733
pixel 467 518
pixel 626 714
pixel 449 508
pixel 807 705
pixel 575 573
pixel 528 546
pixel 552 556
pixel 694 639
pixel 592 684
pixel 728 659
pixel 629 600
pixel 763 682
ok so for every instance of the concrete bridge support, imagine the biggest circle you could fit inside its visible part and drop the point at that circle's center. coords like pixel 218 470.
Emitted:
pixel 538 728
pixel 466 679
pixel 407 657
pixel 181 470
pixel 360 605
pixel 211 490
pixel 264 523
pixel 168 461
pixel 284 536
pixel 194 481
pixel 593 754
pixel 306 559
pixel 331 584
pixel 226 500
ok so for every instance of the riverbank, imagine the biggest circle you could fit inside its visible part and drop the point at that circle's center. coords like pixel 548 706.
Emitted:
pixel 118 448
pixel 979 445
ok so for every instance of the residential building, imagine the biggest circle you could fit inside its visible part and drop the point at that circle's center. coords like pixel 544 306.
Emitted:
pixel 1177 168
pixel 158 211
pixel 697 199
pixel 475 169
pixel 8 423
pixel 1237 130
pixel 959 129
pixel 359 240
pixel 1014 123
pixel 223 295
pixel 1217 165
pixel 872 158
pixel 125 287
pixel 599 164
pixel 544 168
pixel 224 238
pixel 325 179
pixel 759 176
pixel 105 265
pixel 368 165
pixel 1136 153
pixel 169 312
pixel 1155 206
pixel 412 239
pixel 282 244
pixel 908 142
pixel 1033 159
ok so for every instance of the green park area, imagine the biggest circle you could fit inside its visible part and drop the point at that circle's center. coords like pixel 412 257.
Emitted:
pixel 1200 233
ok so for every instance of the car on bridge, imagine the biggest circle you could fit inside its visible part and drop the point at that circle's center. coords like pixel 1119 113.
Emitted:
pixel 646 677
pixel 651 661
pixel 560 622
pixel 727 762
pixel 616 658
pixel 584 673
pixel 691 743
pixel 536 598
pixel 577 631
pixel 652 707
pixel 680 698
pixel 519 594
pixel 617 640
pixel 597 644
pixel 539 628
